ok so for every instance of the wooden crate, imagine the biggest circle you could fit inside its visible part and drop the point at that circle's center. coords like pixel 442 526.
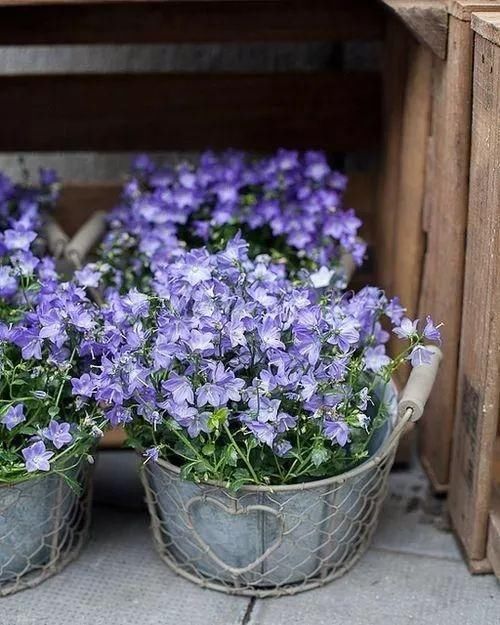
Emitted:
pixel 425 185
pixel 473 500
pixel 336 110
pixel 415 113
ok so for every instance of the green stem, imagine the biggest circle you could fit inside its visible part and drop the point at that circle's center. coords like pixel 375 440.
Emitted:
pixel 241 454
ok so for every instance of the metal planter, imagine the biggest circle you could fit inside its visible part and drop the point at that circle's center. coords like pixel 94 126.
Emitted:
pixel 43 524
pixel 269 540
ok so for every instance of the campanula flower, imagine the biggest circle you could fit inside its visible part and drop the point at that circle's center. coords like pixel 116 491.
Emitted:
pixel 13 416
pixel 36 457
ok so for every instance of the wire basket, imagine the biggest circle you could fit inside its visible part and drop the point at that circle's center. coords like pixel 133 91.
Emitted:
pixel 43 525
pixel 278 540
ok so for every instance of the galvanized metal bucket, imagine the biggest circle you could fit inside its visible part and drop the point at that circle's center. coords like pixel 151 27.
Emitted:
pixel 275 540
pixel 43 524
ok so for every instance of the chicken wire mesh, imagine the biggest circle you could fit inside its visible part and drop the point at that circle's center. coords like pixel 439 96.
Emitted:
pixel 43 525
pixel 267 541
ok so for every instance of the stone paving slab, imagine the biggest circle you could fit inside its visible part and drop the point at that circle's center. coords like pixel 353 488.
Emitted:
pixel 412 575
pixel 119 580
pixel 391 589
pixel 413 520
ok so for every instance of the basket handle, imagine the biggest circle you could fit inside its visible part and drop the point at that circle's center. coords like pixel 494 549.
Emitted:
pixel 84 240
pixel 56 238
pixel 413 400
pixel 348 265
pixel 419 386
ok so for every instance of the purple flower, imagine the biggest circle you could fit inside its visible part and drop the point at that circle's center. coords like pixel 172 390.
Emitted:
pixel 431 332
pixel 200 341
pixel 29 341
pixel 48 177
pixel 13 416
pixel 88 276
pixel 270 333
pixel 36 457
pixel 264 409
pixel 345 334
pixel 263 432
pixel 190 418
pixel 136 303
pixel 394 310
pixel 407 329
pixel 336 431
pixel 282 447
pixel 376 358
pixel 58 433
pixel 83 386
pixel 19 239
pixel 151 454
pixel 8 283
pixel 180 387
pixel 420 355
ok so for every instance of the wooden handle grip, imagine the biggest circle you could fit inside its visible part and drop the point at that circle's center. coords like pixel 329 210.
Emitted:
pixel 348 265
pixel 419 385
pixel 85 239
pixel 56 238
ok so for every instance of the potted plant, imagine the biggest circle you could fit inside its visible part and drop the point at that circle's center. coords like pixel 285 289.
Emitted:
pixel 46 433
pixel 265 412
pixel 290 205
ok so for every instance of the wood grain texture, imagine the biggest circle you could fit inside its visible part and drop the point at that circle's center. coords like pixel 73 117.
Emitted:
pixel 334 111
pixel 462 9
pixel 408 235
pixel 178 21
pixel 442 282
pixel 493 548
pixel 426 19
pixel 479 375
pixel 395 63
pixel 487 25
pixel 77 202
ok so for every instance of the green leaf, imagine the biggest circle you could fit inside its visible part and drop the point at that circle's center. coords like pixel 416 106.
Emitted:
pixel 53 411
pixel 319 456
pixel 218 418
pixel 208 449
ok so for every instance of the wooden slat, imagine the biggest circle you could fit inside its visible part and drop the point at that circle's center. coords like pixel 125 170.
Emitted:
pixel 426 19
pixel 408 235
pixel 334 111
pixel 442 284
pixel 78 201
pixel 488 26
pixel 493 548
pixel 463 9
pixel 394 80
pixel 178 21
pixel 479 365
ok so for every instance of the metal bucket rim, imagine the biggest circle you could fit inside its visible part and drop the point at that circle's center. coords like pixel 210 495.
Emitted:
pixel 371 461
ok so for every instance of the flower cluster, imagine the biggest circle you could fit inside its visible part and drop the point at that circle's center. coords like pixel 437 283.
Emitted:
pixel 44 324
pixel 289 205
pixel 240 375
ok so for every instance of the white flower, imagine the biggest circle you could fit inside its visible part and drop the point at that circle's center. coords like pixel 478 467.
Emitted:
pixel 322 277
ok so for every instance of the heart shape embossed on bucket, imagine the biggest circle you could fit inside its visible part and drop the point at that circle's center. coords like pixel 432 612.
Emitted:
pixel 234 537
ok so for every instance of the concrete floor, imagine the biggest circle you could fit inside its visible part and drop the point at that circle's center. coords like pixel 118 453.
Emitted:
pixel 413 574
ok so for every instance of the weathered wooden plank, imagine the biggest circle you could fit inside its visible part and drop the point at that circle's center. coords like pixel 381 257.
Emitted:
pixel 462 9
pixel 78 201
pixel 336 111
pixel 442 282
pixel 426 19
pixel 493 548
pixel 479 365
pixel 178 21
pixel 395 62
pixel 488 26
pixel 408 235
